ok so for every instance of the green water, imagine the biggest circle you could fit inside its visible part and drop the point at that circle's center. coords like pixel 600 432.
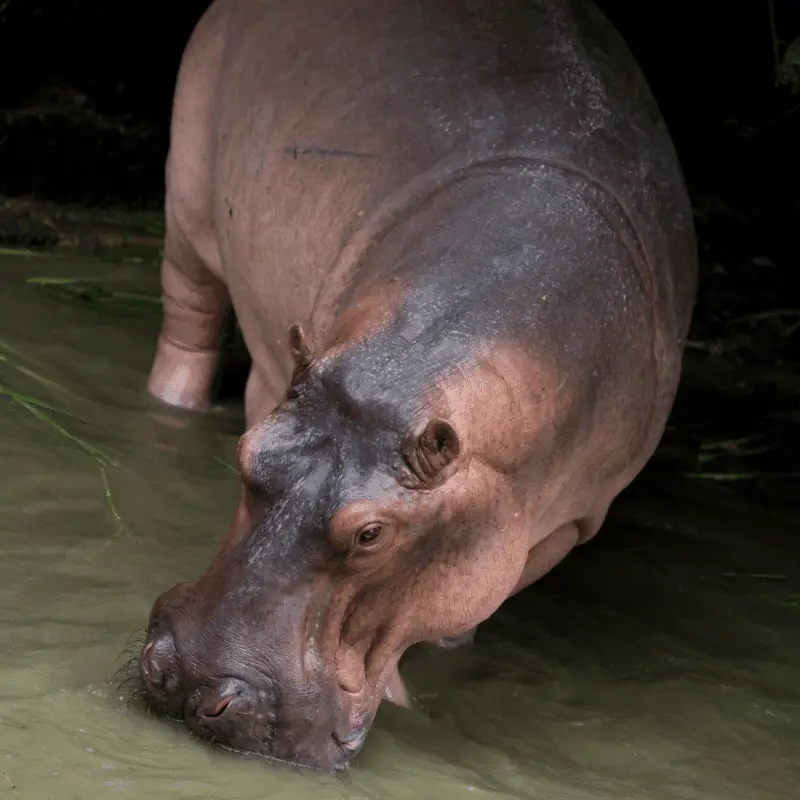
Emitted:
pixel 660 661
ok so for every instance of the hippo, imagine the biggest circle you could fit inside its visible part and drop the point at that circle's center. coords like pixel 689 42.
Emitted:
pixel 459 245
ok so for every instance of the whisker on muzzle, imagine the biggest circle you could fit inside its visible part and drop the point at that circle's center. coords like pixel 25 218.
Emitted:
pixel 135 641
pixel 128 673
pixel 129 677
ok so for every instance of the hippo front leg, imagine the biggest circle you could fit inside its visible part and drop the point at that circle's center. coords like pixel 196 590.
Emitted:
pixel 187 353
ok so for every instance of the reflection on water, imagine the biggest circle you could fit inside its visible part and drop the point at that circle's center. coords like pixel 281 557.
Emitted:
pixel 660 661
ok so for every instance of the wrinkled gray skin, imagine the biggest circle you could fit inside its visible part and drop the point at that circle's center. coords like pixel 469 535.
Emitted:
pixel 475 212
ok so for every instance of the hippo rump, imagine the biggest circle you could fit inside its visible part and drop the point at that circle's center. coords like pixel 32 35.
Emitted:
pixel 459 245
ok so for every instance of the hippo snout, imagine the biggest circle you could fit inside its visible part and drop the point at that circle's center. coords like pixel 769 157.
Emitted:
pixel 184 676
pixel 221 700
pixel 228 710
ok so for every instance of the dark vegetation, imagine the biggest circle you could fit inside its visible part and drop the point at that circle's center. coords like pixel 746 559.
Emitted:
pixel 84 115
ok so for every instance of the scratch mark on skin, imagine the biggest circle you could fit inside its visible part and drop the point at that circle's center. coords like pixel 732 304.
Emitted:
pixel 324 151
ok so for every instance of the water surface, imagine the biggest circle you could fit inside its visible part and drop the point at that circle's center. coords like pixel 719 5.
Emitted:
pixel 660 661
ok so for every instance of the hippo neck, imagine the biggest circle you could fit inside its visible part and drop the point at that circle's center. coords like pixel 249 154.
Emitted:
pixel 504 254
pixel 412 205
pixel 388 239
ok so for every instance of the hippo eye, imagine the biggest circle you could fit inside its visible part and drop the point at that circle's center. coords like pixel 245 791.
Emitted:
pixel 369 536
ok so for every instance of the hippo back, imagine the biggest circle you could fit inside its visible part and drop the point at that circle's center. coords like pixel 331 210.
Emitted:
pixel 335 120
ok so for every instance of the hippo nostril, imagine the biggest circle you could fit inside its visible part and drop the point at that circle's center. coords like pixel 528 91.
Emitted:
pixel 229 697
pixel 151 670
pixel 216 709
pixel 156 660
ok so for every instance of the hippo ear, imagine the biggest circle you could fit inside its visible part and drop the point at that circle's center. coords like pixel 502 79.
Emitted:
pixel 302 352
pixel 431 454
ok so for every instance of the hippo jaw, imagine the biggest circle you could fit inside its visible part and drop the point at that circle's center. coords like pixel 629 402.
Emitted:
pixel 347 549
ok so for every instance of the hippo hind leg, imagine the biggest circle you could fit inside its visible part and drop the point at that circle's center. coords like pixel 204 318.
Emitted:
pixel 195 304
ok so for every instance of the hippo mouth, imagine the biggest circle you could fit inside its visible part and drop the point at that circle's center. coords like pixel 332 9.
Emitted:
pixel 352 742
pixel 259 746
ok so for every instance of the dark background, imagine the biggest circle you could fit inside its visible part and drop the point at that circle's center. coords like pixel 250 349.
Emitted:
pixel 87 85
pixel 85 100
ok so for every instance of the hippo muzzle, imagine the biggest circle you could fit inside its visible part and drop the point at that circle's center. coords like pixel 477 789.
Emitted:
pixel 263 691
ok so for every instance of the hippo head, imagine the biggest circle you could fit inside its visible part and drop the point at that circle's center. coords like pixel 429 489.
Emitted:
pixel 365 525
